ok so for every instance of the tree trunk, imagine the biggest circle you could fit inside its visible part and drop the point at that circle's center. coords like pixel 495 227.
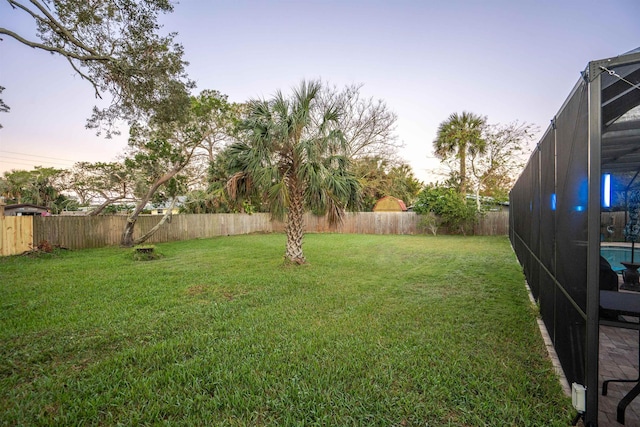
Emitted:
pixel 155 228
pixel 127 235
pixel 294 227
pixel 463 169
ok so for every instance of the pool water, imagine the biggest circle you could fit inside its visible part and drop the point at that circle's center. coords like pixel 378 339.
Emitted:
pixel 616 254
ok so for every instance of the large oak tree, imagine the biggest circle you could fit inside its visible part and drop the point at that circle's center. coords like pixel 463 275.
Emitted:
pixel 118 47
pixel 161 150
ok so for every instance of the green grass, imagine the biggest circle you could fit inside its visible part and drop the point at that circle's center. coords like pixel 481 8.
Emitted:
pixel 375 331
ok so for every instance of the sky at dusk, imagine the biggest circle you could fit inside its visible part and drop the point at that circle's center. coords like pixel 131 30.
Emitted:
pixel 505 59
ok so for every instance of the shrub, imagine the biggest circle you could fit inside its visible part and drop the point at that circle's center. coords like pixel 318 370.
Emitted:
pixel 453 210
pixel 430 222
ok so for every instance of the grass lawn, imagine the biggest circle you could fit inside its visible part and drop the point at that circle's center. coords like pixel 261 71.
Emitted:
pixel 375 331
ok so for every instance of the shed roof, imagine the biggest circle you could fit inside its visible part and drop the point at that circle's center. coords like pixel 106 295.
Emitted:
pixel 27 207
pixel 391 199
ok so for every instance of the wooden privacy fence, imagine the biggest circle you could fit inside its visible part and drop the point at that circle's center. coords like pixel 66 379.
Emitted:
pixel 364 223
pixel 16 234
pixel 493 224
pixel 78 232
pixel 75 232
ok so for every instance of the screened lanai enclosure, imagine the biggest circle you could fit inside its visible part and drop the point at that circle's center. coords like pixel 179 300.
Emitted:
pixel 574 212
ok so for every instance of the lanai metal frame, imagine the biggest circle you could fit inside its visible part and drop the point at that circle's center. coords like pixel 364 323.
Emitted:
pixel 556 209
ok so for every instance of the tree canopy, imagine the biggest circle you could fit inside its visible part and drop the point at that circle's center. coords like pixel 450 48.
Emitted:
pixel 161 150
pixel 40 186
pixel 379 177
pixel 459 135
pixel 495 169
pixel 107 183
pixel 4 108
pixel 367 125
pixel 484 158
pixel 117 46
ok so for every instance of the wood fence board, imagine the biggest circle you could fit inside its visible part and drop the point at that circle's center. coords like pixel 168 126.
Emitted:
pixel 16 234
pixel 493 223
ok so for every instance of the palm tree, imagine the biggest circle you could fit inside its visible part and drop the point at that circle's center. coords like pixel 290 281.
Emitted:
pixel 294 154
pixel 457 136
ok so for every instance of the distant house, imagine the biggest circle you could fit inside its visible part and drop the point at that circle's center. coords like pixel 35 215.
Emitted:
pixel 164 207
pixel 390 204
pixel 163 210
pixel 491 204
pixel 26 209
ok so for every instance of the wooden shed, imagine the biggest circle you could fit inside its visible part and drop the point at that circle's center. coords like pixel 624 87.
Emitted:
pixel 390 204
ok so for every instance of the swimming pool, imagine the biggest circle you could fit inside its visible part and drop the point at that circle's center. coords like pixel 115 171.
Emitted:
pixel 615 254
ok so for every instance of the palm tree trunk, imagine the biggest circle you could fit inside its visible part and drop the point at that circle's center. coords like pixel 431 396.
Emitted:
pixel 295 227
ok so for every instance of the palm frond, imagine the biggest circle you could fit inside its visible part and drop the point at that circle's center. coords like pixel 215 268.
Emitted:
pixel 278 196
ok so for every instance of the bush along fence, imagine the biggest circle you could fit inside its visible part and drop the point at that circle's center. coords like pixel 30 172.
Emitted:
pixel 78 232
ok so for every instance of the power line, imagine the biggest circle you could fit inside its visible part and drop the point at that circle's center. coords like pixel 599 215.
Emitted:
pixel 8 163
pixel 35 155
pixel 19 160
